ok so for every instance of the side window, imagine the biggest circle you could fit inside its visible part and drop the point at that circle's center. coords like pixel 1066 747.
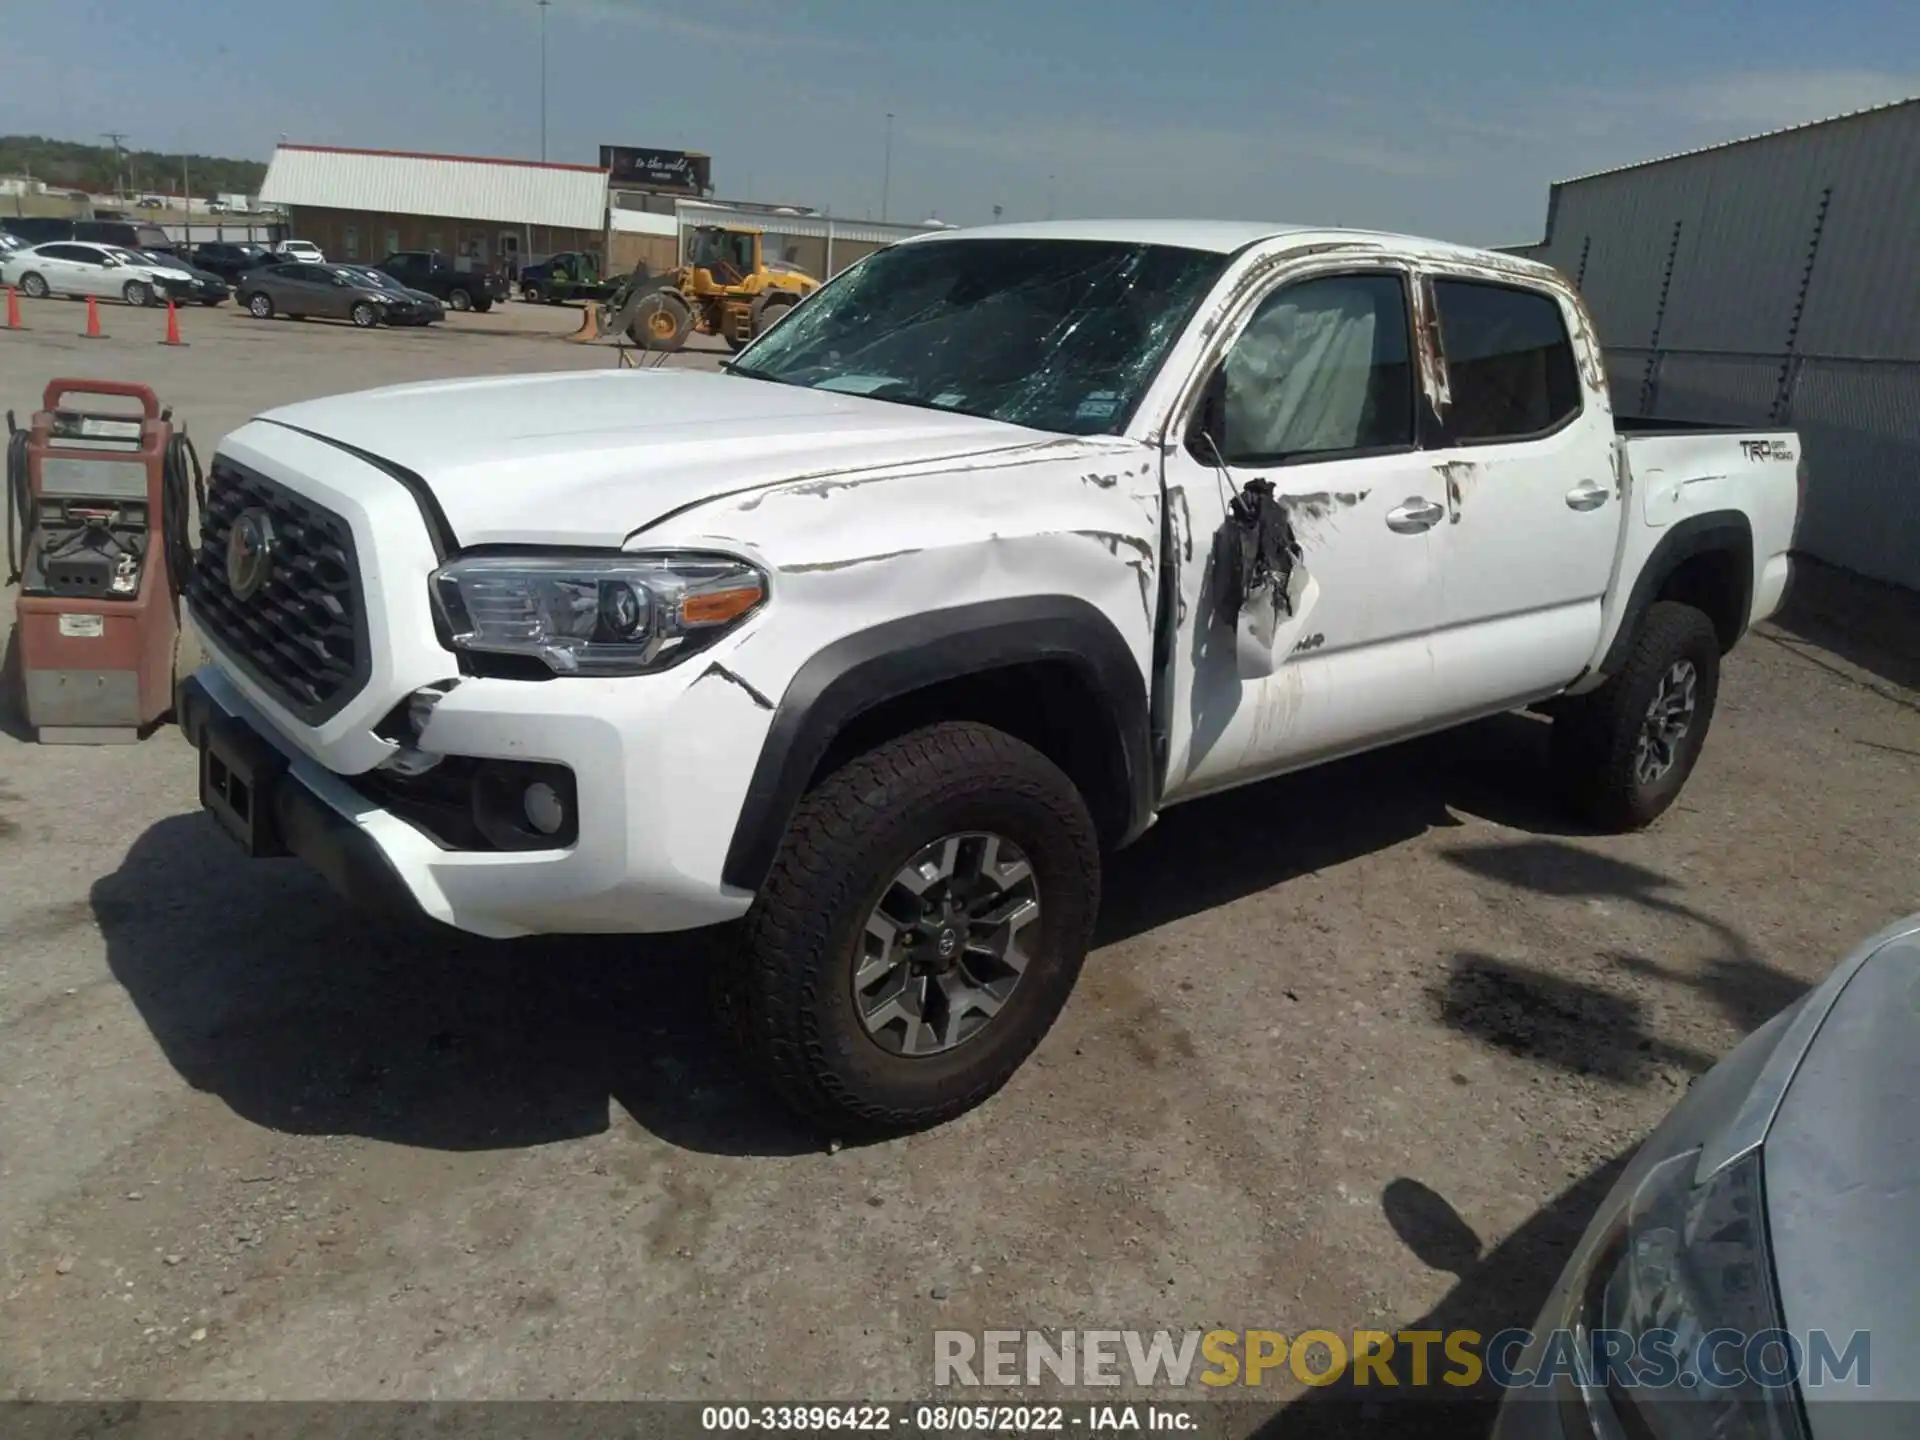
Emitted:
pixel 1322 369
pixel 58 252
pixel 84 255
pixel 1509 362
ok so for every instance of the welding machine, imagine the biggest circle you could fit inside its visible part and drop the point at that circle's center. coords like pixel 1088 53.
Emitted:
pixel 98 516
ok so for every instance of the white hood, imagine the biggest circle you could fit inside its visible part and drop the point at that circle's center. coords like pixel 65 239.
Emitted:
pixel 587 458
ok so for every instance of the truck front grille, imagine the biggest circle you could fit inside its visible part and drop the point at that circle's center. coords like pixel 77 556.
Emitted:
pixel 302 634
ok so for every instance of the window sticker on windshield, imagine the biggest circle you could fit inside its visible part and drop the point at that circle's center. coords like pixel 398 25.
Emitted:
pixel 1099 405
pixel 856 384
pixel 949 398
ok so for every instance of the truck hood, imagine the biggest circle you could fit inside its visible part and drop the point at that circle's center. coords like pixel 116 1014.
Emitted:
pixel 588 458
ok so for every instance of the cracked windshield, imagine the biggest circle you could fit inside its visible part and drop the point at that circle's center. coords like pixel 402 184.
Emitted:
pixel 1060 335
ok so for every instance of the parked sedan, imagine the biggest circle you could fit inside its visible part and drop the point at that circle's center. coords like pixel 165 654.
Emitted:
pixel 327 291
pixel 1757 1251
pixel 431 308
pixel 80 268
pixel 200 285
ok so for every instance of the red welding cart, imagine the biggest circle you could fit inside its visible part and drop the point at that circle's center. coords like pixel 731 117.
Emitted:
pixel 98 510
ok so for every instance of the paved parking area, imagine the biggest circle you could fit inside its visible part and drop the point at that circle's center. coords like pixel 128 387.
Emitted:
pixel 1358 1048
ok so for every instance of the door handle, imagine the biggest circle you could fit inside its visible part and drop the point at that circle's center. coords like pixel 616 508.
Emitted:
pixel 1415 514
pixel 1588 496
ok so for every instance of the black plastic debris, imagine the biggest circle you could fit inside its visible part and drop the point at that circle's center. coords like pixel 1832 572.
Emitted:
pixel 1261 550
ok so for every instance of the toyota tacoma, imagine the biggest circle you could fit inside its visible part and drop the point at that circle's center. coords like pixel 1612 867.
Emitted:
pixel 1004 542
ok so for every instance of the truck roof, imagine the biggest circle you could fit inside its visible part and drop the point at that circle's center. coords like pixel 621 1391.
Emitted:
pixel 1221 236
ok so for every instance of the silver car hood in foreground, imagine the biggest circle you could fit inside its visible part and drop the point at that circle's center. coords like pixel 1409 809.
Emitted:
pixel 1843 1193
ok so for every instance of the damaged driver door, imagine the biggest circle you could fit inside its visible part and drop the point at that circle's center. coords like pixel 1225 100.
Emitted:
pixel 1301 508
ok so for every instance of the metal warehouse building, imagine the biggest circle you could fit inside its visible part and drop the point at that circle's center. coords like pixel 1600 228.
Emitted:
pixel 1773 280
pixel 362 205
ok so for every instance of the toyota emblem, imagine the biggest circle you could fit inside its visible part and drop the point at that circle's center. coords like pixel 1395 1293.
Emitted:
pixel 249 553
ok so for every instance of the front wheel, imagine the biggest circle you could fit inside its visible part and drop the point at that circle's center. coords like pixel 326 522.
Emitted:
pixel 364 315
pixel 531 295
pixel 1622 754
pixel 923 924
pixel 137 293
pixel 662 321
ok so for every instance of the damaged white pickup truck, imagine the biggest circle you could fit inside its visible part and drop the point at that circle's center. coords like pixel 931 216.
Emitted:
pixel 1001 543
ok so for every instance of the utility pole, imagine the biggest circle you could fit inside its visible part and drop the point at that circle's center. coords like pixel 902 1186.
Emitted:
pixel 1050 197
pixel 544 5
pixel 186 193
pixel 886 170
pixel 114 138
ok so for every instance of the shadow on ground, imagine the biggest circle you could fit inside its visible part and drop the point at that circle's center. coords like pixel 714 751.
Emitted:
pixel 1494 1290
pixel 307 1017
pixel 1865 622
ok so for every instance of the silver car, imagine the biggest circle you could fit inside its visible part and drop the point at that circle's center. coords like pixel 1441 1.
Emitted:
pixel 1752 1272
pixel 326 291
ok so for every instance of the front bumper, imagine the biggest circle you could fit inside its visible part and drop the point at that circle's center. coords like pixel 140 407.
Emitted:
pixel 650 841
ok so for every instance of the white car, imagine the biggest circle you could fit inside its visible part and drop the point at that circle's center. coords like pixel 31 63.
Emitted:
pixel 82 267
pixel 1001 543
pixel 304 251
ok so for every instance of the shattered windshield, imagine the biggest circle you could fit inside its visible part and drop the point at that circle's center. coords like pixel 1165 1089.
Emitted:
pixel 1060 335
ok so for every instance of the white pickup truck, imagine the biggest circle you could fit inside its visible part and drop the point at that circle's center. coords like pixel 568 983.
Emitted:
pixel 1000 544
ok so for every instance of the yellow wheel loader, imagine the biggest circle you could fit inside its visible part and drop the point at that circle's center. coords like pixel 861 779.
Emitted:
pixel 727 287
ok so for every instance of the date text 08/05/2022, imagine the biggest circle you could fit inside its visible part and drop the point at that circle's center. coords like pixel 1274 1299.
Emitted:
pixel 951 1419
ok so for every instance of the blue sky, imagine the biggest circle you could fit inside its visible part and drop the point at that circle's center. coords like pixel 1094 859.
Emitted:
pixel 1447 119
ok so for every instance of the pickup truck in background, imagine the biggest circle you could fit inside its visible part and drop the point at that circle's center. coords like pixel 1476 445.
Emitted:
pixel 436 274
pixel 570 275
pixel 1005 541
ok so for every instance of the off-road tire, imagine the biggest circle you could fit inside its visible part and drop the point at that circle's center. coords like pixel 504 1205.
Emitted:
pixel 770 308
pixel 661 321
pixel 1595 735
pixel 784 991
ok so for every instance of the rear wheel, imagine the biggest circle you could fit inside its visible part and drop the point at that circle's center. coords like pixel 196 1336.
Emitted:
pixel 459 299
pixel 923 925
pixel 662 321
pixel 34 285
pixel 260 305
pixel 137 293
pixel 769 310
pixel 1622 754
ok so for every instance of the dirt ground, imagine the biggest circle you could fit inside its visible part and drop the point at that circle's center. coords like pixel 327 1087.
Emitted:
pixel 1358 1048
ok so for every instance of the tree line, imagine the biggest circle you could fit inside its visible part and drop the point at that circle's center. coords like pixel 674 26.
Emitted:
pixel 75 165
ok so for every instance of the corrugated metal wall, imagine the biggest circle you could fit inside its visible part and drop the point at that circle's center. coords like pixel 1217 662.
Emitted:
pixel 1774 281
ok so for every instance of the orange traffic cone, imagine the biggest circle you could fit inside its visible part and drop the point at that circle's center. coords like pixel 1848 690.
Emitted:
pixel 173 327
pixel 13 309
pixel 93 330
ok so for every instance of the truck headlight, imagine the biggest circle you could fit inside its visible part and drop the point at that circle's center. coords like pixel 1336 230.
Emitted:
pixel 1677 1326
pixel 595 615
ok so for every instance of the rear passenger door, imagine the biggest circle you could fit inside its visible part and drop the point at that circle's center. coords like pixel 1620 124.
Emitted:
pixel 1533 520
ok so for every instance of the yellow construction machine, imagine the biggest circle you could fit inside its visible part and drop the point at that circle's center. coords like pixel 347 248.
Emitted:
pixel 727 287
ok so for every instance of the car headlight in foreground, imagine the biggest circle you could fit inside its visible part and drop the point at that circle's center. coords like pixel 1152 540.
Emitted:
pixel 1676 1325
pixel 595 615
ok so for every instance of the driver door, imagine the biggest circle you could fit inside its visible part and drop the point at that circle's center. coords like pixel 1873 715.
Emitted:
pixel 1316 395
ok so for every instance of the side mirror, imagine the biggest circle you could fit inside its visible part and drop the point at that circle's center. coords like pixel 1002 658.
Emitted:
pixel 1207 432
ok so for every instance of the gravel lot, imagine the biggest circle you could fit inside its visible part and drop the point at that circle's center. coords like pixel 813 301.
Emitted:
pixel 1358 1048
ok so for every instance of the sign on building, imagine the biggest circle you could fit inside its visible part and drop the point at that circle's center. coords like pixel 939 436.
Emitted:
pixel 684 171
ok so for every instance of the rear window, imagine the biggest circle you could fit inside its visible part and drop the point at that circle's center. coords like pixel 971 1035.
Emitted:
pixel 1510 364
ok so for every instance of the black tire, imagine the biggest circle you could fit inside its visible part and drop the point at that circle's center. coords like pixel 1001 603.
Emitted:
pixel 211 303
pixel 662 321
pixel 786 992
pixel 364 315
pixel 769 309
pixel 482 305
pixel 1597 738
pixel 137 293
pixel 260 305
pixel 34 285
pixel 459 298
pixel 531 295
